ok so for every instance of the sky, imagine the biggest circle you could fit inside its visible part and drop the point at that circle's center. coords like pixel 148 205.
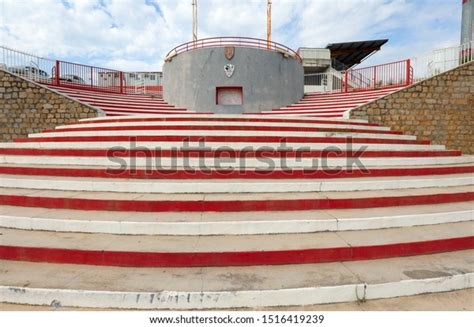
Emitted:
pixel 135 35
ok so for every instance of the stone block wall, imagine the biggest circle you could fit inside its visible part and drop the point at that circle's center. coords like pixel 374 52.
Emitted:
pixel 26 107
pixel 440 109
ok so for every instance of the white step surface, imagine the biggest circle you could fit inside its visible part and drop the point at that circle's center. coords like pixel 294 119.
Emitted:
pixel 232 186
pixel 176 163
pixel 236 223
pixel 200 288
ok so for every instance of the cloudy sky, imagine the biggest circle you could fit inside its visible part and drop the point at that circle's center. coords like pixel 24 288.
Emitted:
pixel 136 34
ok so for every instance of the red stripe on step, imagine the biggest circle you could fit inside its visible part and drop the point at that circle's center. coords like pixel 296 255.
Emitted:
pixel 232 174
pixel 237 258
pixel 256 120
pixel 197 138
pixel 221 128
pixel 229 205
pixel 317 106
pixel 120 152
pixel 309 111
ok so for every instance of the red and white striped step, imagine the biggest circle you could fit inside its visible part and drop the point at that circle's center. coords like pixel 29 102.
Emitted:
pixel 63 202
pixel 330 104
pixel 121 104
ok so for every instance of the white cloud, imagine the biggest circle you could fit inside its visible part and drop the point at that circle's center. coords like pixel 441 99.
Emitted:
pixel 133 34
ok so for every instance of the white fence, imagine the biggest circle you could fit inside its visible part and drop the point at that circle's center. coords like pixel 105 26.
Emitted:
pixel 323 82
pixel 441 60
pixel 27 65
pixel 67 74
pixel 422 67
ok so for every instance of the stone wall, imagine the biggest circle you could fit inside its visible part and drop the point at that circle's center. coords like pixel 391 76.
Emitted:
pixel 440 109
pixel 26 107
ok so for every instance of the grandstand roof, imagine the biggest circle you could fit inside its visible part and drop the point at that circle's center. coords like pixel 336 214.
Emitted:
pixel 353 53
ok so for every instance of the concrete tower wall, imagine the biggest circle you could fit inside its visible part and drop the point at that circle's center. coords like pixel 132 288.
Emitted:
pixel 268 79
pixel 467 29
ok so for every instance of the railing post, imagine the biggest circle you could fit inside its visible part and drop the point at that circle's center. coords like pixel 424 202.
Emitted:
pixel 56 75
pixel 408 77
pixel 375 77
pixel 346 75
pixel 121 82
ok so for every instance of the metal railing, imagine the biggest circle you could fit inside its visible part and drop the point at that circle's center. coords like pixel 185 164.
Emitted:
pixel 88 77
pixel 233 41
pixel 27 65
pixel 68 74
pixel 331 81
pixel 392 74
pixel 441 60
pixel 399 73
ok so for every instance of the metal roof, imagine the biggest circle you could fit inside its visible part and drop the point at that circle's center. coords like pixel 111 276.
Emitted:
pixel 353 53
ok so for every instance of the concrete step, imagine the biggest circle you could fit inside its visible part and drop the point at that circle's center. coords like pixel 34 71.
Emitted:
pixel 315 110
pixel 122 101
pixel 117 160
pixel 232 250
pixel 309 102
pixel 224 174
pixel 226 132
pixel 213 146
pixel 284 124
pixel 133 106
pixel 221 117
pixel 236 223
pixel 314 106
pixel 201 151
pixel 227 126
pixel 142 111
pixel 221 138
pixel 456 300
pixel 236 202
pixel 219 288
pixel 100 94
pixel 331 114
pixel 127 113
pixel 345 95
pixel 196 186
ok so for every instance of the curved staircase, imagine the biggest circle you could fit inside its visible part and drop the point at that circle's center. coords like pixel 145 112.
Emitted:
pixel 330 105
pixel 117 104
pixel 211 211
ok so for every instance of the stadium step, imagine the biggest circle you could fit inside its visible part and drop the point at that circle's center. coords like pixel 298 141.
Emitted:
pixel 230 186
pixel 70 207
pixel 236 202
pixel 224 174
pixel 232 223
pixel 329 105
pixel 225 287
pixel 120 104
pixel 232 250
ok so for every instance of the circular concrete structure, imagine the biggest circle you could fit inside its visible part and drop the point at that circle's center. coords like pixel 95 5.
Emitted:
pixel 232 76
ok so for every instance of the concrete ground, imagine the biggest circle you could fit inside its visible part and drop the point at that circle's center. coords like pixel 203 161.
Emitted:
pixel 462 300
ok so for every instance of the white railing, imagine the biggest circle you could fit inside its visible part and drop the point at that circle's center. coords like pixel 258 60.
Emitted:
pixel 73 75
pixel 323 82
pixel 27 65
pixel 139 85
pixel 441 60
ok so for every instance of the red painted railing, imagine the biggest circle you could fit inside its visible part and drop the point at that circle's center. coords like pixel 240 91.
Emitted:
pixel 73 75
pixel 233 41
pixel 68 74
pixel 399 73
